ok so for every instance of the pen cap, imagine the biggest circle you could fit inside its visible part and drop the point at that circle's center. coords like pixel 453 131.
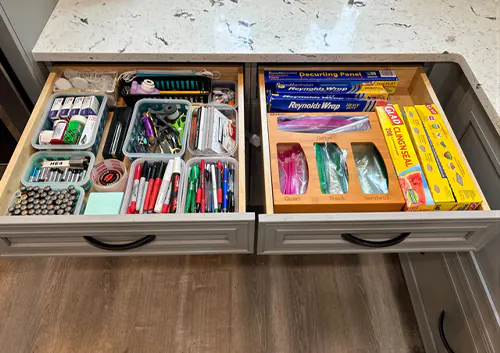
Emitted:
pixel 177 166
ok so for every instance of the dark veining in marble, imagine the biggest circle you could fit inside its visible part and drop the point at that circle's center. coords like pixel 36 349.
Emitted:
pixel 95 44
pixel 216 2
pixel 291 51
pixel 229 28
pixel 205 10
pixel 475 13
pixel 125 47
pixel 302 2
pixel 396 24
pixel 161 39
pixel 359 3
pixel 287 2
pixel 301 9
pixel 277 37
pixel 184 14
pixel 324 40
pixel 317 15
pixel 235 1
pixel 246 24
pixel 247 41
pixel 83 20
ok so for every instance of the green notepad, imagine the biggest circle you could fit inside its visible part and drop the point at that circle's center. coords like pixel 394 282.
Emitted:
pixel 104 203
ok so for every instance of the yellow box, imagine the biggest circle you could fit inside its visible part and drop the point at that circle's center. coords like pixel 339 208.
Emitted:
pixel 372 92
pixel 410 175
pixel 433 171
pixel 466 193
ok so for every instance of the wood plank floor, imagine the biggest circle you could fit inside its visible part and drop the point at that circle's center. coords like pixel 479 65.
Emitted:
pixel 223 304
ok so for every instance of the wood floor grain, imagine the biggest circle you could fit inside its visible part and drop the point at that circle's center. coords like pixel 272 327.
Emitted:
pixel 201 304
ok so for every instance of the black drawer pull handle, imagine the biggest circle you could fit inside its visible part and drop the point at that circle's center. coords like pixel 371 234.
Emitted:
pixel 120 247
pixel 441 333
pixel 374 244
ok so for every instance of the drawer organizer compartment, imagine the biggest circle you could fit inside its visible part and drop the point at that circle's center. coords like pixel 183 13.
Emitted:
pixel 358 160
pixel 119 234
pixel 77 173
pixel 93 138
pixel 299 227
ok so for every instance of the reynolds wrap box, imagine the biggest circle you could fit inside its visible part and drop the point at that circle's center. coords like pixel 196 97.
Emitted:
pixel 464 189
pixel 288 103
pixel 345 89
pixel 385 78
pixel 410 175
pixel 433 170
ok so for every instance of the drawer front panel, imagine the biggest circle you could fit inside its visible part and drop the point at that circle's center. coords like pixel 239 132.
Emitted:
pixel 175 234
pixel 438 288
pixel 295 233
pixel 323 233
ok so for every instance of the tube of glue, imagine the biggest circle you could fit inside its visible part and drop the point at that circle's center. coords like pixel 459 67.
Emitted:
pixel 176 175
pixel 135 189
pixel 164 187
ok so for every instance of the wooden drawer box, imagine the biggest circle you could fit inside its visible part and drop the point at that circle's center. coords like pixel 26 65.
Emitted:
pixel 168 234
pixel 370 232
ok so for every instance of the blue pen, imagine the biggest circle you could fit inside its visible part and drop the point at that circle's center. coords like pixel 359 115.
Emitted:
pixel 224 189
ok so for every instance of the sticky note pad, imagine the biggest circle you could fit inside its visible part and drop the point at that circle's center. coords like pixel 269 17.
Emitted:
pixel 104 203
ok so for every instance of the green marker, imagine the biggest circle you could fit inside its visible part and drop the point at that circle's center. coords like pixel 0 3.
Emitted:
pixel 190 190
pixel 195 187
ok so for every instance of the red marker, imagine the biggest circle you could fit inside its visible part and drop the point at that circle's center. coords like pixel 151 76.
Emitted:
pixel 219 185
pixel 202 177
pixel 176 175
pixel 156 187
pixel 149 190
pixel 135 189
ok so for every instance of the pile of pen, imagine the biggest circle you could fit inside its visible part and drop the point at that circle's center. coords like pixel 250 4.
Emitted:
pixel 66 175
pixel 156 187
pixel 210 188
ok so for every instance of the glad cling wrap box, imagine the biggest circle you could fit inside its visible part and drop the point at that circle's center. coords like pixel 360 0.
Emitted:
pixel 434 173
pixel 410 175
pixel 464 189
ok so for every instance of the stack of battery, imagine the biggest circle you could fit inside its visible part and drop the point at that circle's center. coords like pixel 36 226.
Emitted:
pixel 33 200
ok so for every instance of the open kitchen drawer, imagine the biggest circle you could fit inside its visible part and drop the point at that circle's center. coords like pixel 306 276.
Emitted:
pixel 170 233
pixel 295 233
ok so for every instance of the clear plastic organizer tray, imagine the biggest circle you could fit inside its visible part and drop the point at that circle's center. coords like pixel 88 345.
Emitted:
pixel 37 159
pixel 130 183
pixel 135 126
pixel 213 159
pixel 225 109
pixel 94 141
pixel 78 206
pixel 93 76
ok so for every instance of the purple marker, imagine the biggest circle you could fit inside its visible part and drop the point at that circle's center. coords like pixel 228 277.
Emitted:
pixel 148 127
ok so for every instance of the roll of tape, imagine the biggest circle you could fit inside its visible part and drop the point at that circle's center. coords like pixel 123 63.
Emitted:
pixel 109 175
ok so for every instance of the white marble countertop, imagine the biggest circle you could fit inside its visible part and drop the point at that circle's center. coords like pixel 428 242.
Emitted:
pixel 282 30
